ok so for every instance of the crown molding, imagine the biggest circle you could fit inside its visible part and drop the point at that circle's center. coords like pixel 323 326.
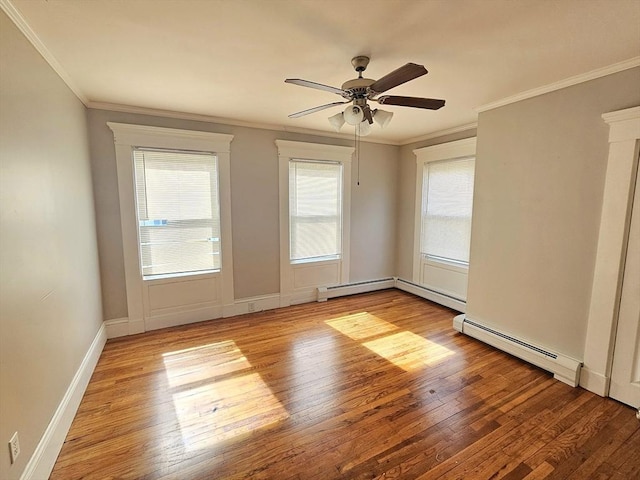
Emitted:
pixel 567 82
pixel 228 121
pixel 16 17
pixel 440 133
pixel 14 14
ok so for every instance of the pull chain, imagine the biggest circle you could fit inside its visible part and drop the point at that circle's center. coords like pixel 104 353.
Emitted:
pixel 356 141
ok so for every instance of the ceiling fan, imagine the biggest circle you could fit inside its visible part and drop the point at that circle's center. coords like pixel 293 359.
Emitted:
pixel 361 90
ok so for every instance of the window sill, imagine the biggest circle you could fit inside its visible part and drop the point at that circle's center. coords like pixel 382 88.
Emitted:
pixel 327 259
pixel 178 277
pixel 446 264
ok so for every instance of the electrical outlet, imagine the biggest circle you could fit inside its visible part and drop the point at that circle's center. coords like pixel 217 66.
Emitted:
pixel 252 307
pixel 14 447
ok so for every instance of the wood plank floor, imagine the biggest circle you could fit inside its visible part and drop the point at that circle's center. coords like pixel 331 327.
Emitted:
pixel 369 386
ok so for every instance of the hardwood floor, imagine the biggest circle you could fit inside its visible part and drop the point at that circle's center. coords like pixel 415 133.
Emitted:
pixel 369 386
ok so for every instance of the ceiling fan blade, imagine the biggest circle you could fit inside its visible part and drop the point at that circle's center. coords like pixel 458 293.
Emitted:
pixel 315 109
pixel 366 110
pixel 317 86
pixel 398 77
pixel 416 102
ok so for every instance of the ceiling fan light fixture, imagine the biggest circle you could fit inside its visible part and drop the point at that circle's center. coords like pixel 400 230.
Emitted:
pixel 382 117
pixel 337 121
pixel 363 128
pixel 353 115
pixel 358 92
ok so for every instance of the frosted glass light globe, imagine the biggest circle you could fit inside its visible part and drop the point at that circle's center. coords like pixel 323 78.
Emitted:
pixel 353 115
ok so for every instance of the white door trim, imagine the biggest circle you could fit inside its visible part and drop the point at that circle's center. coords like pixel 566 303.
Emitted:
pixel 624 136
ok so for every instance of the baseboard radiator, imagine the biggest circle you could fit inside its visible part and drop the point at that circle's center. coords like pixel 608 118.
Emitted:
pixel 325 293
pixel 564 368
pixel 432 295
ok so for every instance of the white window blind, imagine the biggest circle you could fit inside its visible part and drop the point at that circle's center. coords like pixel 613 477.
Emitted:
pixel 447 200
pixel 315 209
pixel 178 211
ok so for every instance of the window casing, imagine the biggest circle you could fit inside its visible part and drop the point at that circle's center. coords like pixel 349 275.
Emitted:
pixel 442 228
pixel 198 290
pixel 315 205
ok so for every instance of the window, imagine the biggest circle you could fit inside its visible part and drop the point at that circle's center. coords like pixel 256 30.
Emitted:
pixel 315 204
pixel 444 201
pixel 178 211
pixel 447 199
pixel 175 212
pixel 315 210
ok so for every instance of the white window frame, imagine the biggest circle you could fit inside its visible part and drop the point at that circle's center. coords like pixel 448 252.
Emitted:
pixel 299 281
pixel 440 275
pixel 316 258
pixel 142 315
pixel 185 223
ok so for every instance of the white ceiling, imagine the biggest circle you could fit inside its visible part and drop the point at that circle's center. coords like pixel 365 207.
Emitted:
pixel 229 58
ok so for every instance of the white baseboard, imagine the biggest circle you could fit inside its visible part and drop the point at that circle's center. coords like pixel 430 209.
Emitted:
pixel 121 327
pixel 184 317
pixel 564 368
pixel 594 382
pixel 44 457
pixel 304 296
pixel 325 293
pixel 252 304
pixel 117 327
pixel 431 295
pixel 285 300
pixel 136 326
pixel 298 297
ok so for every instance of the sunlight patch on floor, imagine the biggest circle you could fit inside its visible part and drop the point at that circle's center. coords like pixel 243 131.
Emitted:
pixel 361 325
pixel 204 362
pixel 210 411
pixel 404 349
pixel 408 350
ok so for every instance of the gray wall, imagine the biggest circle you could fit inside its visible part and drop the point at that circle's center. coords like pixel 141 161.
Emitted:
pixel 254 206
pixel 539 183
pixel 50 309
pixel 373 212
pixel 407 197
